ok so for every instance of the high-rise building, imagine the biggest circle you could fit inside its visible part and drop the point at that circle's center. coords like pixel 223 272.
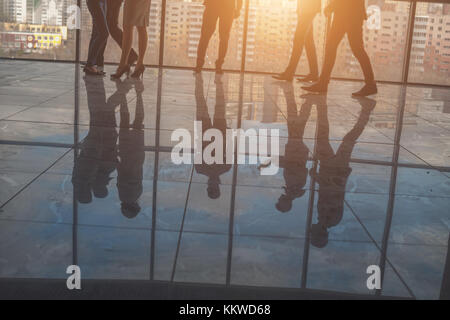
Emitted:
pixel 15 11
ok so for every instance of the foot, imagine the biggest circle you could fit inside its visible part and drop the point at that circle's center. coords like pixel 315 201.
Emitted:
pixel 318 87
pixel 101 70
pixel 283 77
pixel 138 71
pixel 308 78
pixel 91 70
pixel 197 70
pixel 219 70
pixel 367 90
pixel 121 70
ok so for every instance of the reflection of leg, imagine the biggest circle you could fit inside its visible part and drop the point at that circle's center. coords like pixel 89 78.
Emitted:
pixel 303 26
pixel 225 24
pixel 124 115
pixel 139 113
pixel 349 141
pixel 219 112
pixel 324 149
pixel 202 107
pixel 208 27
pixel 355 38
pixel 310 48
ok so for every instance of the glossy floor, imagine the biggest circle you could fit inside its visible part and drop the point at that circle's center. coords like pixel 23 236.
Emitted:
pixel 87 177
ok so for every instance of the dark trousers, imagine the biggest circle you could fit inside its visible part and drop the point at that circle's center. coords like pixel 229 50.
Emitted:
pixel 304 37
pixel 112 19
pixel 99 35
pixel 354 30
pixel 210 17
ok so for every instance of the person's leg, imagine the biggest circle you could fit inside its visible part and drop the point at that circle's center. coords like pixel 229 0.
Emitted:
pixel 310 47
pixel 91 58
pixel 210 17
pixel 101 53
pixel 304 26
pixel 225 25
pixel 337 32
pixel 113 26
pixel 127 41
pixel 143 40
pixel 96 8
pixel 356 41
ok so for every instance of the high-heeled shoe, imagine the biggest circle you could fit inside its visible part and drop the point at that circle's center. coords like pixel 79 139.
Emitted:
pixel 138 72
pixel 121 71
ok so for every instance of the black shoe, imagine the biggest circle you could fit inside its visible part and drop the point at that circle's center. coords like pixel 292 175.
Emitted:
pixel 367 90
pixel 120 72
pixel 283 77
pixel 138 72
pixel 308 78
pixel 318 87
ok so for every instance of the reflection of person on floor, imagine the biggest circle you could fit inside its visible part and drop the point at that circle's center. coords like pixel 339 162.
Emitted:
pixel 131 156
pixel 98 154
pixel 334 171
pixel 296 152
pixel 215 170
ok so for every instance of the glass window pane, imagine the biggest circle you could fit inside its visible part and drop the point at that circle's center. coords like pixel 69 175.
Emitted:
pixel 271 29
pixel 430 50
pixel 183 26
pixel 32 29
pixel 385 37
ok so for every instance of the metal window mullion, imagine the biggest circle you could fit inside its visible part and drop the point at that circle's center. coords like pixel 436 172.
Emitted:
pixel 162 33
pixel 245 36
pixel 410 32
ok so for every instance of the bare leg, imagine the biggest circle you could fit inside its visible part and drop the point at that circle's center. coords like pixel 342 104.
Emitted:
pixel 143 40
pixel 127 41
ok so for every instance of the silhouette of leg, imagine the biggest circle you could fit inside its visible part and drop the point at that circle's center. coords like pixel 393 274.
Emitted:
pixel 143 40
pixel 225 24
pixel 304 26
pixel 355 38
pixel 112 17
pixel 210 17
pixel 324 149
pixel 310 48
pixel 100 33
pixel 139 113
pixel 127 42
pixel 337 32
